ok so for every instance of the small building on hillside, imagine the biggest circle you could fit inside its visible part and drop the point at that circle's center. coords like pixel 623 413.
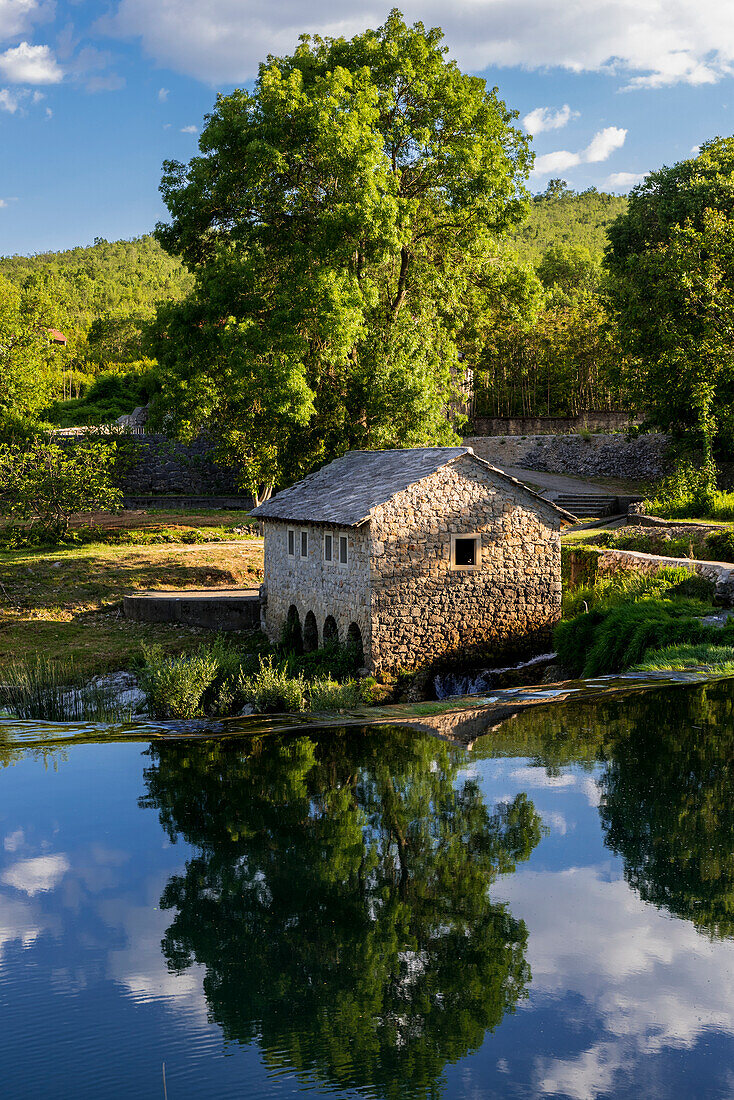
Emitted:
pixel 416 555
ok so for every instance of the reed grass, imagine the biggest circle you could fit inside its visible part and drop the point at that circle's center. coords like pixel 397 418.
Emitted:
pixel 49 690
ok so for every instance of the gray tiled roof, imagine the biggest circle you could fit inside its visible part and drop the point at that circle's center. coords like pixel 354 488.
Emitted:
pixel 346 491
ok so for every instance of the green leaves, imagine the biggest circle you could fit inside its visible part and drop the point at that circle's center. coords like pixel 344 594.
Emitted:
pixel 333 219
pixel 671 258
pixel 45 485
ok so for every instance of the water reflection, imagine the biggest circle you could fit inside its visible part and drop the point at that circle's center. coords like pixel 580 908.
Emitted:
pixel 338 902
pixel 666 789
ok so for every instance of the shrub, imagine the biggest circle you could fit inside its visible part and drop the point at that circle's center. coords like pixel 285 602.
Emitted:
pixel 613 640
pixel 271 688
pixel 328 694
pixel 332 660
pixel 629 585
pixel 175 686
pixel 45 485
pixel 720 545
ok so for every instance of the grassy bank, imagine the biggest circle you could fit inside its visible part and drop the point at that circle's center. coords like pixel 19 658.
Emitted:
pixel 652 622
pixel 66 602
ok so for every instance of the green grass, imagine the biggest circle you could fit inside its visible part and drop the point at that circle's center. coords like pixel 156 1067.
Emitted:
pixel 48 690
pixel 66 602
pixel 707 656
pixel 612 624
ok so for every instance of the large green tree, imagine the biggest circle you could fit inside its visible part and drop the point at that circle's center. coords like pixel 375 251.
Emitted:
pixel 671 258
pixel 333 221
pixel 337 897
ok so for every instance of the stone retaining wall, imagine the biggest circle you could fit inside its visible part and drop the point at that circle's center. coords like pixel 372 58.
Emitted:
pixel 610 561
pixel 167 468
pixel 554 425
pixel 603 455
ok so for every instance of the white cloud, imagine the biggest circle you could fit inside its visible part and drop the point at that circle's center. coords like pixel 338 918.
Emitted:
pixel 14 841
pixel 695 150
pixel 545 118
pixel 163 94
pixel 189 129
pixel 3 203
pixel 18 16
pixel 649 43
pixel 603 144
pixel 8 101
pixel 622 181
pixel 26 64
pixel 601 147
pixel 35 876
pixel 112 82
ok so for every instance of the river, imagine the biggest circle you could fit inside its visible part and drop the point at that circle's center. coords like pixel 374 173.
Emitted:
pixel 375 913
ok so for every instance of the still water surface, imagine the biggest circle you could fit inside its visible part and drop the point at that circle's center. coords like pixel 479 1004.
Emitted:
pixel 377 913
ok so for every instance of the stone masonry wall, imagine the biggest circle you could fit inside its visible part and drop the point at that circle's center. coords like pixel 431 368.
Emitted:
pixel 312 584
pixel 612 455
pixel 422 609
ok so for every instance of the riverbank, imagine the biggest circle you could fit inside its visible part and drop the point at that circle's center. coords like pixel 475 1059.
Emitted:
pixel 461 720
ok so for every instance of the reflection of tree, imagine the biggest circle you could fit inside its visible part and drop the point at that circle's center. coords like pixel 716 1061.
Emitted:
pixel 668 804
pixel 338 901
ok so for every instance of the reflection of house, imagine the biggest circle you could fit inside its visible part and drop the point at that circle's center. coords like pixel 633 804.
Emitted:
pixel 418 554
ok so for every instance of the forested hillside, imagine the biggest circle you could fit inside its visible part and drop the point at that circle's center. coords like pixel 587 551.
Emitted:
pixel 120 277
pixel 542 346
pixel 561 216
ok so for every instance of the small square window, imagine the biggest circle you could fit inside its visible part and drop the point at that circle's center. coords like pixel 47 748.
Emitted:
pixel 343 549
pixel 328 547
pixel 304 544
pixel 465 551
pixel 291 544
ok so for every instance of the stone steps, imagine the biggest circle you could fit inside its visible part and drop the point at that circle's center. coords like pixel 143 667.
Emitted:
pixel 587 505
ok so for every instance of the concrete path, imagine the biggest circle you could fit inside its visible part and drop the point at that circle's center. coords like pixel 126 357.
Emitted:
pixel 544 482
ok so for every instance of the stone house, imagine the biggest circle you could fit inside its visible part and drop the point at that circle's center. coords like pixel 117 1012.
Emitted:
pixel 418 555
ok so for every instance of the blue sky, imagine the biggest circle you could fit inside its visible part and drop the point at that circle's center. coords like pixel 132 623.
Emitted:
pixel 94 95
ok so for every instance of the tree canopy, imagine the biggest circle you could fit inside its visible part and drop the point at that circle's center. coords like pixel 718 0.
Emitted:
pixel 671 261
pixel 333 220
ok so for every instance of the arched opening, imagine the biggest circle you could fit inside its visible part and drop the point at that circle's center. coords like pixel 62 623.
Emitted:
pixel 331 631
pixel 310 633
pixel 354 642
pixel 292 638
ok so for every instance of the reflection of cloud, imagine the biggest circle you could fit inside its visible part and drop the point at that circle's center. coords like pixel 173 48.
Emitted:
pixel 34 876
pixel 18 921
pixel 539 779
pixel 652 980
pixel 140 966
pixel 557 822
pixel 14 841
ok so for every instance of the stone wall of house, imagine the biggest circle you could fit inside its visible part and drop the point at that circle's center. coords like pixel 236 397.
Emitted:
pixel 313 584
pixel 423 610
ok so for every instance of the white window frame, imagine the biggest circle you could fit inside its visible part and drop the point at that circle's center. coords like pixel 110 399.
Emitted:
pixel 290 531
pixel 460 536
pixel 345 540
pixel 328 535
pixel 303 531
